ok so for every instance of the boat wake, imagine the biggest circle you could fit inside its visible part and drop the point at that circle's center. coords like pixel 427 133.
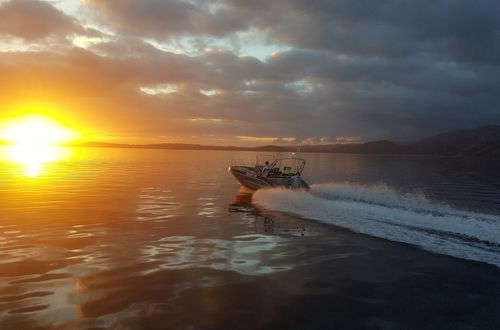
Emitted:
pixel 381 211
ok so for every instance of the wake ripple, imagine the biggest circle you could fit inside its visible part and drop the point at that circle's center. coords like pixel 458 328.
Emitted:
pixel 383 212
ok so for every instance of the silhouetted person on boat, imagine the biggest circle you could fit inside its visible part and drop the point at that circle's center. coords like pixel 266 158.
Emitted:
pixel 267 167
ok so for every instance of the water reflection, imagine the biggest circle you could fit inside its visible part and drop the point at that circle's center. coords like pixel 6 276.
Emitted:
pixel 207 206
pixel 33 158
pixel 242 202
pixel 246 254
pixel 266 222
pixel 119 238
pixel 156 204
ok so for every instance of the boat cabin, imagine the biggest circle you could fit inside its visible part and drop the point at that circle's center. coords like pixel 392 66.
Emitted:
pixel 282 167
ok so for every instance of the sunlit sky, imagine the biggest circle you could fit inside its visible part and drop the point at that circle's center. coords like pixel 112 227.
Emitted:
pixel 238 72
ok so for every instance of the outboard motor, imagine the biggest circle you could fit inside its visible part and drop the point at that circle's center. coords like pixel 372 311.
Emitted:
pixel 298 183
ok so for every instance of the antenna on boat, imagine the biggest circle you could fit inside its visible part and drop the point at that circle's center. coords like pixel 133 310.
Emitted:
pixel 298 150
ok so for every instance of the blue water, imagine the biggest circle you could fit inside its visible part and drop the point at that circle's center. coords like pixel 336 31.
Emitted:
pixel 155 239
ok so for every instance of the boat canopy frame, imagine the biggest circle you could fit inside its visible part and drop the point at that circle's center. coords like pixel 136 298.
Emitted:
pixel 298 164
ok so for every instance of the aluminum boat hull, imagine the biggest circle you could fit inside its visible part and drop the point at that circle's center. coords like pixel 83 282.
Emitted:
pixel 250 182
pixel 246 177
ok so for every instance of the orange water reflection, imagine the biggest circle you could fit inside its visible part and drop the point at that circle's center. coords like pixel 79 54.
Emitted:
pixel 34 158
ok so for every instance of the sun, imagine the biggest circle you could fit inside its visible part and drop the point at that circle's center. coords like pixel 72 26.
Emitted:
pixel 36 131
pixel 34 141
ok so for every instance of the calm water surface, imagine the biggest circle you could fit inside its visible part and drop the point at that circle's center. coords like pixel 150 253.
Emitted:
pixel 156 239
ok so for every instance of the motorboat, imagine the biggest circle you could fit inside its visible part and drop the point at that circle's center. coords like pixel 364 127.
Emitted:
pixel 276 172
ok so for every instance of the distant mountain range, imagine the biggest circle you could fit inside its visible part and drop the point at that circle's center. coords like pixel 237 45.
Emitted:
pixel 482 141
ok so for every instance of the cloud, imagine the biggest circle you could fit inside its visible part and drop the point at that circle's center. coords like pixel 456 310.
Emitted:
pixel 292 95
pixel 463 30
pixel 164 19
pixel 362 69
pixel 458 29
pixel 34 20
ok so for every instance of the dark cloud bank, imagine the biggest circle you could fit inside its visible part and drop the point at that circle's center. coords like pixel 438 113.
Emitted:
pixel 373 69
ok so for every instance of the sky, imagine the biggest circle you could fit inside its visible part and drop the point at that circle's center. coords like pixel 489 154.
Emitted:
pixel 239 72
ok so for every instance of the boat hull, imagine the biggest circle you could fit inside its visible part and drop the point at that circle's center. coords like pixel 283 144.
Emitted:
pixel 248 179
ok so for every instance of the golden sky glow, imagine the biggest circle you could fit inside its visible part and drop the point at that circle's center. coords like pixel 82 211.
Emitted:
pixel 211 72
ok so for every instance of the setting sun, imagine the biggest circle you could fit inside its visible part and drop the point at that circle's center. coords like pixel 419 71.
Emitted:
pixel 36 131
pixel 34 141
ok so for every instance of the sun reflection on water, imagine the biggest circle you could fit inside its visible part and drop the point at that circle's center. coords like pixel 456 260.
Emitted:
pixel 33 159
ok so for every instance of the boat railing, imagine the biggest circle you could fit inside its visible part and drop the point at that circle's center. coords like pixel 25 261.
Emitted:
pixel 289 165
pixel 263 159
pixel 279 168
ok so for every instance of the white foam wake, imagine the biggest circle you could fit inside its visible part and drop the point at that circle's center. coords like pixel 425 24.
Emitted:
pixel 383 212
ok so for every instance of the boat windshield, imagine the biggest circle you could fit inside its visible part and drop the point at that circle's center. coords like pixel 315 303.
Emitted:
pixel 263 158
pixel 288 166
